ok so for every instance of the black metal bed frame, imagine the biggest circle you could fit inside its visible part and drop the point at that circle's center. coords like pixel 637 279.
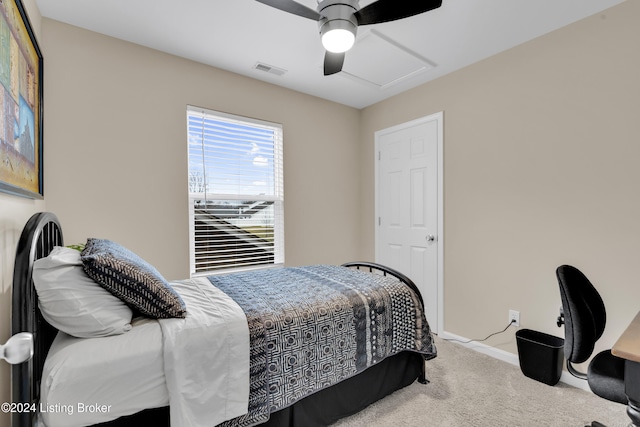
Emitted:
pixel 39 236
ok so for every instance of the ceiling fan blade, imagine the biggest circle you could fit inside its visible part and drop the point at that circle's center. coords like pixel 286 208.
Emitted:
pixel 292 7
pixel 390 10
pixel 333 63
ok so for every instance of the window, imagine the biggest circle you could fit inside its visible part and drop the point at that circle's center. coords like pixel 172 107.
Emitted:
pixel 235 192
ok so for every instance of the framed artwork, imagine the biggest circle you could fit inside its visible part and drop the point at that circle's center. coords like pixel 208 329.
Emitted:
pixel 20 103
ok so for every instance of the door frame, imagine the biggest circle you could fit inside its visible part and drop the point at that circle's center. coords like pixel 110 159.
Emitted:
pixel 440 211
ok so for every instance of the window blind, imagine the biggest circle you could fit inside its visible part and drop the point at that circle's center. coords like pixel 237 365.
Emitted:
pixel 235 191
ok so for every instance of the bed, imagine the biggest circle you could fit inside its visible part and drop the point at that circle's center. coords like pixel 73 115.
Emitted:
pixel 338 388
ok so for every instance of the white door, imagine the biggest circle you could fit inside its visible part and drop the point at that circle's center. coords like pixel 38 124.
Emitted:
pixel 408 206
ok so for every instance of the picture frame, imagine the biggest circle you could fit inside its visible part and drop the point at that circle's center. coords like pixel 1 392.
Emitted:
pixel 21 76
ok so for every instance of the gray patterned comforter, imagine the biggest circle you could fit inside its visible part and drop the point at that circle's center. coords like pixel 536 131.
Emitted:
pixel 312 327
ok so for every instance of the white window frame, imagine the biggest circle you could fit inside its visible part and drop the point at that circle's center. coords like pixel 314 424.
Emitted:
pixel 276 199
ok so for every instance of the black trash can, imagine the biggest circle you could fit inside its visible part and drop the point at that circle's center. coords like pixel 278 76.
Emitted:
pixel 541 355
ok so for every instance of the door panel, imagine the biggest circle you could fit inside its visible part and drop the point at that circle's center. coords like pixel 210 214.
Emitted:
pixel 407 205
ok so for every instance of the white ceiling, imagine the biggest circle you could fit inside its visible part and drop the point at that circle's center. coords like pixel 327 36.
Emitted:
pixel 387 59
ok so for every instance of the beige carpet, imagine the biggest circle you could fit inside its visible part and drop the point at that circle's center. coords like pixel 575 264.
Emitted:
pixel 471 389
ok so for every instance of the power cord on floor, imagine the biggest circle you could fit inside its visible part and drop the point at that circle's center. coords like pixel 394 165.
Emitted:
pixel 480 340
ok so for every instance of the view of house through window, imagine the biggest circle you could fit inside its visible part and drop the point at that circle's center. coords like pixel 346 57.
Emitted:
pixel 235 191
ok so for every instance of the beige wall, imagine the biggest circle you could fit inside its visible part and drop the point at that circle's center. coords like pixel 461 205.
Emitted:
pixel 117 165
pixel 541 155
pixel 14 213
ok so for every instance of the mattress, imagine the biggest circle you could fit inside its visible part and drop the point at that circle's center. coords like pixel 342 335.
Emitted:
pixel 126 371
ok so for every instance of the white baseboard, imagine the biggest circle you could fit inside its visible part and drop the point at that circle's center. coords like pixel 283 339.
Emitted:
pixel 511 358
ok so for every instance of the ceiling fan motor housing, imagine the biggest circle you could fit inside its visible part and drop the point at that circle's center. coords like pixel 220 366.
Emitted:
pixel 338 14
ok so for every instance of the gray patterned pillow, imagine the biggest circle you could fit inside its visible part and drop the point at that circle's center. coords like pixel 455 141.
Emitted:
pixel 132 279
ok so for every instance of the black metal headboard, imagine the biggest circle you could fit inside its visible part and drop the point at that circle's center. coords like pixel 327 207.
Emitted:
pixel 39 236
pixel 384 270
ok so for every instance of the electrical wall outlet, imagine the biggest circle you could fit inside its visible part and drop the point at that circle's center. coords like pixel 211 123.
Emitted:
pixel 514 316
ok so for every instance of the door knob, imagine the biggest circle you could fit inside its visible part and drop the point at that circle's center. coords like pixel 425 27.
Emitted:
pixel 431 238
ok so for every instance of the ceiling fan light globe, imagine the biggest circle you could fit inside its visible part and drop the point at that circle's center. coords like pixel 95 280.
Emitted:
pixel 338 40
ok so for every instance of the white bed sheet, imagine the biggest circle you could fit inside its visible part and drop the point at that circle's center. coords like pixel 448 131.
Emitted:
pixel 126 371
pixel 206 357
pixel 198 365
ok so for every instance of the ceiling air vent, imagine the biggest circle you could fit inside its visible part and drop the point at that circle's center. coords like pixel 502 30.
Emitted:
pixel 269 69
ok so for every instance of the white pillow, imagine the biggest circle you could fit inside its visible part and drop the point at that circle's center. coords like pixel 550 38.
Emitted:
pixel 72 302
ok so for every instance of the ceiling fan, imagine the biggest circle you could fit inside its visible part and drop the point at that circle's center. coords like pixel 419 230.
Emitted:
pixel 338 21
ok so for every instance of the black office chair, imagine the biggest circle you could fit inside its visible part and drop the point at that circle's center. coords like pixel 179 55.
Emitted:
pixel 584 319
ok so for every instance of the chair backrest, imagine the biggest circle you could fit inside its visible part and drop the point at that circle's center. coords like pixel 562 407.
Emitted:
pixel 584 313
